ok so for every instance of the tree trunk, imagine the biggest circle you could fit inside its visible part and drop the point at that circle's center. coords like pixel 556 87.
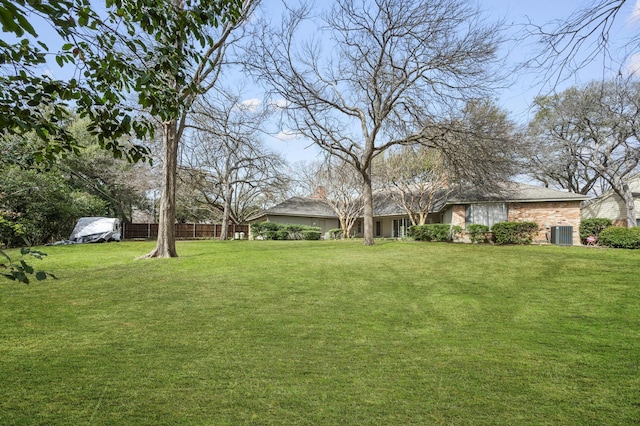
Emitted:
pixel 346 223
pixel 166 245
pixel 624 191
pixel 226 213
pixel 368 208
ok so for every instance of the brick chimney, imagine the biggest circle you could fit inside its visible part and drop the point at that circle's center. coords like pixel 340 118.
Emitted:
pixel 321 193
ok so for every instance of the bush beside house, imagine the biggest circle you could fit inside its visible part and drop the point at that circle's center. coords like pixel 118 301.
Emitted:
pixel 478 233
pixel 593 227
pixel 435 232
pixel 279 231
pixel 620 237
pixel 514 232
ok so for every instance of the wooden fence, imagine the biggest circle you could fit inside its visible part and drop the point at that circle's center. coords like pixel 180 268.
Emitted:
pixel 184 231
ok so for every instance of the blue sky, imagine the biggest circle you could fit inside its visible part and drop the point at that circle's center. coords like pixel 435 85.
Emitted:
pixel 525 86
pixel 518 97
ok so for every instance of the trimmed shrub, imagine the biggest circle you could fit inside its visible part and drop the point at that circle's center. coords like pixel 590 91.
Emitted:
pixel 280 231
pixel 593 227
pixel 264 230
pixel 282 234
pixel 514 232
pixel 619 237
pixel 294 231
pixel 435 232
pixel 335 233
pixel 478 233
pixel 309 234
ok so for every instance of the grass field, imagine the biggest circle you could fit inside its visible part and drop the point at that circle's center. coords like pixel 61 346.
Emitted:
pixel 324 333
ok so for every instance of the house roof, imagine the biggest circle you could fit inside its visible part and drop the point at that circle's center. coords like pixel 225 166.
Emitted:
pixel 513 192
pixel 301 206
pixel 383 204
pixel 634 184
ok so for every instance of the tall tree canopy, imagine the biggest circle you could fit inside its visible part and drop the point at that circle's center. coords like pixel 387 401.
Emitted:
pixel 163 52
pixel 378 74
pixel 225 161
pixel 589 135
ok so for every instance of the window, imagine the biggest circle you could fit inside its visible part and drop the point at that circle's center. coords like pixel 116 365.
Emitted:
pixel 378 228
pixel 486 214
pixel 400 228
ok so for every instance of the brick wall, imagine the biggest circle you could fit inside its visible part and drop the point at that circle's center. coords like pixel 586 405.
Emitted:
pixel 459 215
pixel 565 213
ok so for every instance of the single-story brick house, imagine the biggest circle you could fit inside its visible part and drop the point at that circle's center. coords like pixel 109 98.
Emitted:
pixel 515 202
pixel 611 206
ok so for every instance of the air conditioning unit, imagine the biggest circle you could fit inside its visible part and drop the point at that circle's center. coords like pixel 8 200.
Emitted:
pixel 562 235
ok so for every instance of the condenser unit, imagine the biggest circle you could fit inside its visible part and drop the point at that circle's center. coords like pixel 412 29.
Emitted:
pixel 562 235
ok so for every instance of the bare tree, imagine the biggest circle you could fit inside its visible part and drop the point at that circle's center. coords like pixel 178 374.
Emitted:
pixel 188 84
pixel 337 184
pixel 226 162
pixel 570 44
pixel 391 70
pixel 415 179
pixel 588 135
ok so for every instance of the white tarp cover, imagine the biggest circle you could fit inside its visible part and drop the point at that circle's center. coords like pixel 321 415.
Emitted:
pixel 95 230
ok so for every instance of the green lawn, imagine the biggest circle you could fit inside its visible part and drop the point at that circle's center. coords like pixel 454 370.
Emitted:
pixel 318 333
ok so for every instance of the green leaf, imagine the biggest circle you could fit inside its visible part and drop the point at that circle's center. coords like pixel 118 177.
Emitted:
pixel 41 275
pixel 27 268
pixel 25 25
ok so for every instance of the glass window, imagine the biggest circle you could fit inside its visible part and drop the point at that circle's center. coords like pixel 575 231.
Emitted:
pixel 400 228
pixel 486 214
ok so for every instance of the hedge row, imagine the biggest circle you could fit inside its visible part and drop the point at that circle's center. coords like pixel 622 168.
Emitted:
pixel 514 232
pixel 619 237
pixel 279 231
pixel 434 232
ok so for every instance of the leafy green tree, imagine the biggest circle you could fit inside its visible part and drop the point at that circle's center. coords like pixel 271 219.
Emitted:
pixel 119 184
pixel 39 206
pixel 32 101
pixel 161 51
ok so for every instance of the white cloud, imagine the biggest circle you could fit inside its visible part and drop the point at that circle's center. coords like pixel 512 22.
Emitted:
pixel 287 135
pixel 250 104
pixel 282 103
pixel 633 67
pixel 635 15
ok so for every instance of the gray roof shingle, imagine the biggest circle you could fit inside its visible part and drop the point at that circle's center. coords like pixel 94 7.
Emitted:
pixel 302 206
pixel 383 205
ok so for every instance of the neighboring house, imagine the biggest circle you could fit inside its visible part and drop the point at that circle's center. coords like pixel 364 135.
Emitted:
pixel 514 202
pixel 611 206
pixel 310 211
